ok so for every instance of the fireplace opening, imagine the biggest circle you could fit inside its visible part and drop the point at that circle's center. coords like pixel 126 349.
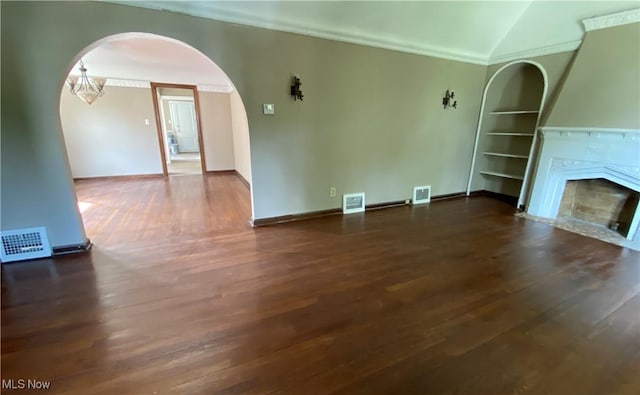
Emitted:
pixel 599 202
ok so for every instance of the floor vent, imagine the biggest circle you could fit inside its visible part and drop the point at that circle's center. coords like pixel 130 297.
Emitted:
pixel 353 203
pixel 21 244
pixel 421 194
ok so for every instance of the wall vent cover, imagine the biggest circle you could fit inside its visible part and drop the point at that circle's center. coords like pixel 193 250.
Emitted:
pixel 353 203
pixel 421 194
pixel 21 244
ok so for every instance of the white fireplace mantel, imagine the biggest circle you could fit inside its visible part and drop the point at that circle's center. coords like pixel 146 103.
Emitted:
pixel 582 153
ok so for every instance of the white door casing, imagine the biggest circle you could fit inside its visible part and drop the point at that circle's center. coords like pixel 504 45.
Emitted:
pixel 183 118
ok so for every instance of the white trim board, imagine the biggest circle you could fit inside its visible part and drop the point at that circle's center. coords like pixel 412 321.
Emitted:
pixel 611 20
pixel 588 129
pixel 224 15
pixel 524 190
pixel 124 83
pixel 218 13
pixel 180 98
pixel 127 83
pixel 215 88
pixel 531 53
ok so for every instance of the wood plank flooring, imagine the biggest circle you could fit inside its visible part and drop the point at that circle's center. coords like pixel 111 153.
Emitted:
pixel 182 167
pixel 179 295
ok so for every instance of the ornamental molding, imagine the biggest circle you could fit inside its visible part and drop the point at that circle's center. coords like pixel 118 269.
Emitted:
pixel 124 83
pixel 617 19
pixel 560 164
pixel 535 52
pixel 127 83
pixel 624 134
pixel 215 88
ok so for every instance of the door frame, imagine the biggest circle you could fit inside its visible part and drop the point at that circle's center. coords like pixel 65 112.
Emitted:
pixel 156 109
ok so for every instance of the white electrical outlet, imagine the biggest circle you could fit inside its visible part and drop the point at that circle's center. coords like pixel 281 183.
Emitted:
pixel 332 192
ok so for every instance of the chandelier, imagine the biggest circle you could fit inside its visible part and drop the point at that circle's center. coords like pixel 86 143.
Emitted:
pixel 87 89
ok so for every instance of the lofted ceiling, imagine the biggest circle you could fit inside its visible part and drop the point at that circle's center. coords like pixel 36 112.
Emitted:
pixel 482 32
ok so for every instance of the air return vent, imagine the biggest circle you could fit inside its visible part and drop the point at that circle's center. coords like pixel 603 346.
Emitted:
pixel 421 194
pixel 353 203
pixel 21 244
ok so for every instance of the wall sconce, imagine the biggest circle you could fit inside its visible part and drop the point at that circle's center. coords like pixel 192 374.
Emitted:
pixel 296 92
pixel 447 100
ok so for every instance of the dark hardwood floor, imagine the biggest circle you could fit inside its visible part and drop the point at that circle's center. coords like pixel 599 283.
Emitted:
pixel 180 295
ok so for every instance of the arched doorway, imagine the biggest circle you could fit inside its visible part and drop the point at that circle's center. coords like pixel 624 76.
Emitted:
pixel 124 135
pixel 506 137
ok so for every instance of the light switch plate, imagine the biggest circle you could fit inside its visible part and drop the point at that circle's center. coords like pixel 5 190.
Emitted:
pixel 268 109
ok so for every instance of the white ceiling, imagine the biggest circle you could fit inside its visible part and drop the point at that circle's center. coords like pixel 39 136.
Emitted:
pixel 147 57
pixel 473 31
pixel 481 32
pixel 553 25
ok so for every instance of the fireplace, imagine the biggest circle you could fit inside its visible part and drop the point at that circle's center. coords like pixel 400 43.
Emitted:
pixel 589 175
pixel 599 202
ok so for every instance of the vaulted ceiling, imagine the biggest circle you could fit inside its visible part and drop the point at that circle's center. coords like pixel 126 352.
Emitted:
pixel 481 32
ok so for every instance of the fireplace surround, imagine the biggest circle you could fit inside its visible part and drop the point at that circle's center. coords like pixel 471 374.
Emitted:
pixel 568 154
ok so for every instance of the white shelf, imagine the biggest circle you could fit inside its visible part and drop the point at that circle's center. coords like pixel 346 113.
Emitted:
pixel 513 143
pixel 503 175
pixel 510 134
pixel 513 112
pixel 506 155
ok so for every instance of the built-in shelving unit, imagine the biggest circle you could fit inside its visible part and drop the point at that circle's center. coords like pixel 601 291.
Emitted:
pixel 509 134
pixel 514 112
pixel 506 134
pixel 506 155
pixel 502 175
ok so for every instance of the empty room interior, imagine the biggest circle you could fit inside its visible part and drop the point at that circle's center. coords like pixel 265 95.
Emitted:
pixel 318 197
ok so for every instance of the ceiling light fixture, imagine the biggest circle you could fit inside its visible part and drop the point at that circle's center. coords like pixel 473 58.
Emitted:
pixel 87 89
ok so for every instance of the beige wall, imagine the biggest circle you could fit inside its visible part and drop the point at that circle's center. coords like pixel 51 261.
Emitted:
pixel 241 147
pixel 217 133
pixel 109 137
pixel 556 66
pixel 371 119
pixel 602 87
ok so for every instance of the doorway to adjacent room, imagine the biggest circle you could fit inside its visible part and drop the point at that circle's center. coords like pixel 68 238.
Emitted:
pixel 179 128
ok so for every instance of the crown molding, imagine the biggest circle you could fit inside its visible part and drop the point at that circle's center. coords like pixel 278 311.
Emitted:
pixel 617 19
pixel 584 129
pixel 220 14
pixel 124 83
pixel 531 53
pixel 214 12
pixel 127 83
pixel 215 88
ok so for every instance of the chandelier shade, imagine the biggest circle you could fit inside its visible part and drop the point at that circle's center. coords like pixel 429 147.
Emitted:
pixel 87 89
